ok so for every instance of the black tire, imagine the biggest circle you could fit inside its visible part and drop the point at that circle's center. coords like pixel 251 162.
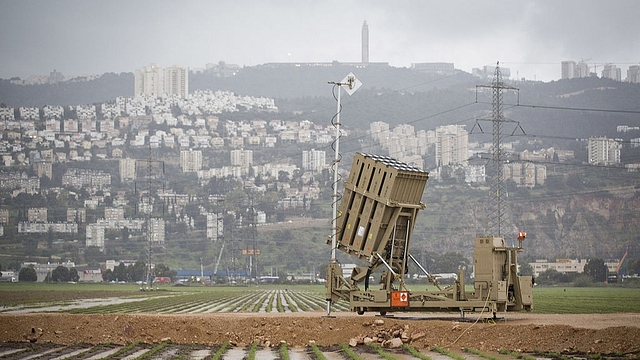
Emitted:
pixel 383 313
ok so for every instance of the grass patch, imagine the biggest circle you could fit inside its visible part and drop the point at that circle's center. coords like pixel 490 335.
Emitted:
pixel 223 349
pixel 153 351
pixel 591 300
pixel 481 354
pixel 284 351
pixel 349 352
pixel 516 355
pixel 31 296
pixel 382 353
pixel 252 351
pixel 448 353
pixel 124 350
pixel 317 352
pixel 413 351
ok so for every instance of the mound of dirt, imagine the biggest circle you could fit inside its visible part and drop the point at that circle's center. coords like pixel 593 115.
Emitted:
pixel 617 333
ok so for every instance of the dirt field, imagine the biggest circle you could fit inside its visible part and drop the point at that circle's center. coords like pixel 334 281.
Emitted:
pixel 605 334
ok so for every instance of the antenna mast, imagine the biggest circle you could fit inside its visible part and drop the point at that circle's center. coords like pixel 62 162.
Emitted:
pixel 351 84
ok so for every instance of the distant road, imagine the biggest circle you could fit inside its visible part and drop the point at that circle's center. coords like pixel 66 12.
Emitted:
pixel 297 223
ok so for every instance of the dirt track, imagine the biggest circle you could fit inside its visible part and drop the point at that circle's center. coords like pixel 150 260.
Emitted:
pixel 611 333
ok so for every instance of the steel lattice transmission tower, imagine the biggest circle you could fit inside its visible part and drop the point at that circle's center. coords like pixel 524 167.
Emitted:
pixel 497 189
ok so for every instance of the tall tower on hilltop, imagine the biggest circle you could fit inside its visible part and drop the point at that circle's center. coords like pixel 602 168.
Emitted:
pixel 365 43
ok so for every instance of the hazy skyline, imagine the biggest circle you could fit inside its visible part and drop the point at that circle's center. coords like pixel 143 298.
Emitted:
pixel 83 37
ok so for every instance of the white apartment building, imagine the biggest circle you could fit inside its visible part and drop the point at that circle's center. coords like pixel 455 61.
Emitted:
pixel 452 145
pixel 572 70
pixel 242 157
pixel 611 71
pixel 176 81
pixel 44 168
pixel 475 174
pixel 565 266
pixel 313 160
pixel 156 230
pixel 155 81
pixel 4 216
pixel 70 125
pixel 53 112
pixel 633 74
pixel 113 213
pixel 582 70
pixel 86 112
pixel 379 131
pixel 78 215
pixel 525 174
pixel 95 235
pixel 79 178
pixel 37 215
pixel 148 80
pixel 39 227
pixel 127 169
pixel 119 224
pixel 215 228
pixel 603 151
pixel 29 113
pixel 191 160
pixel 7 114
pixel 568 69
pixel 52 125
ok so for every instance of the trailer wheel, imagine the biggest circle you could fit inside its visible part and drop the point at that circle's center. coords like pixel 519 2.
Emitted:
pixel 383 313
pixel 360 312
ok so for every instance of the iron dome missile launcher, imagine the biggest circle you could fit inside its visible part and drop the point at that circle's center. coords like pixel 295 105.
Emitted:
pixel 375 222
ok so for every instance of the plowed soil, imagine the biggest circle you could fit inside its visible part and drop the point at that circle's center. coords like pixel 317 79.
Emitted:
pixel 604 334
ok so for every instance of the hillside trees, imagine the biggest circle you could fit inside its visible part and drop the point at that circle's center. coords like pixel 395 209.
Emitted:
pixel 63 274
pixel 131 273
pixel 596 270
pixel 27 274
pixel 633 267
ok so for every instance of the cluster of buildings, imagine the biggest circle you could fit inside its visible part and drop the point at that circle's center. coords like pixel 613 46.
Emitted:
pixel 158 81
pixel 40 138
pixel 570 266
pixel 163 115
pixel 571 69
pixel 449 146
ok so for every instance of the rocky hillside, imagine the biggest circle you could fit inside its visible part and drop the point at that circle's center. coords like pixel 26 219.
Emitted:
pixel 593 224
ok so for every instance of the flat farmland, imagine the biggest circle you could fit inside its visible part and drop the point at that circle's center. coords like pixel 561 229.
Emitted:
pixel 598 321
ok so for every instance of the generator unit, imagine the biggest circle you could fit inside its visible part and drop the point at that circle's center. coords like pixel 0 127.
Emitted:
pixel 375 222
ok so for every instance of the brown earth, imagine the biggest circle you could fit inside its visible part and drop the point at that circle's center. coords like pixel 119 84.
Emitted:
pixel 600 333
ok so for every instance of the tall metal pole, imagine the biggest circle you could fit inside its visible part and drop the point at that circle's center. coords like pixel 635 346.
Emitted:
pixel 334 202
pixel 336 161
pixel 352 85
pixel 497 187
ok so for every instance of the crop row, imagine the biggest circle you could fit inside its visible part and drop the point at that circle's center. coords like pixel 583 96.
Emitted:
pixel 168 350
pixel 250 300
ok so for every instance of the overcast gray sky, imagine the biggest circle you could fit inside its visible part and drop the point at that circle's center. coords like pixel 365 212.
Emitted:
pixel 81 37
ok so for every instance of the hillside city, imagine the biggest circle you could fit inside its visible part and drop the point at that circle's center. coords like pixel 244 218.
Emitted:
pixel 109 161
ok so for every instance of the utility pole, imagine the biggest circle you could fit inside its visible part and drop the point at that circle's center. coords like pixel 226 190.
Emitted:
pixel 497 193
pixel 219 224
pixel 148 208
pixel 351 84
